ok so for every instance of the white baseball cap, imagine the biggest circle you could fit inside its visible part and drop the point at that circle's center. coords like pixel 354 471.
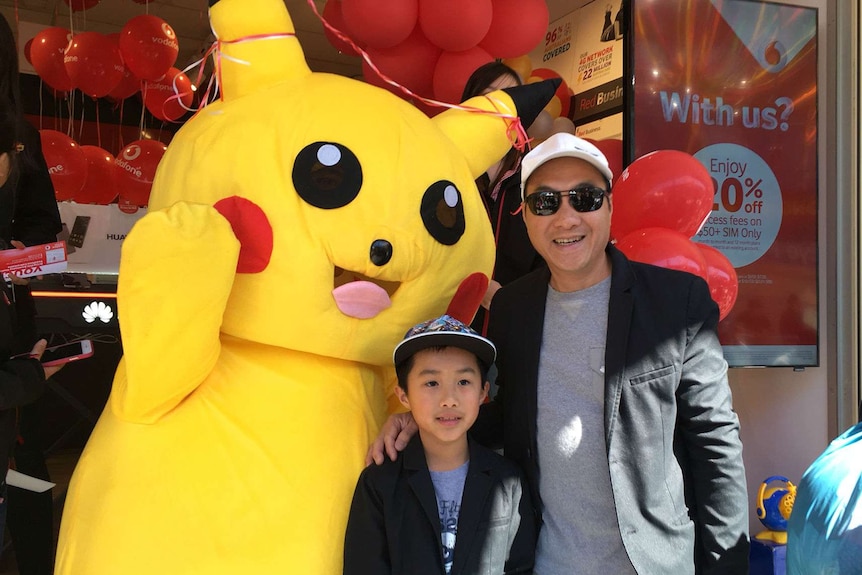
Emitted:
pixel 563 145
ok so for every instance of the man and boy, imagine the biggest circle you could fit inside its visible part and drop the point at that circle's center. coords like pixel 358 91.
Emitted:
pixel 613 393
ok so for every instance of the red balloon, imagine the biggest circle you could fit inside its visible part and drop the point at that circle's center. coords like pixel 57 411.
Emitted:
pixel 67 164
pixel 136 165
pixel 27 47
pixel 563 91
pixel 517 26
pixel 721 277
pixel 101 185
pixel 149 47
pixel 380 24
pixel 332 13
pixel 613 151
pixel 410 63
pixel 665 248
pixel 163 98
pixel 665 189
pixel 79 5
pixel 129 84
pixel 93 63
pixel 455 33
pixel 452 71
pixel 47 52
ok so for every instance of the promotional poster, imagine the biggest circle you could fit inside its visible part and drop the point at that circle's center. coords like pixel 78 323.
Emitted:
pixel 735 85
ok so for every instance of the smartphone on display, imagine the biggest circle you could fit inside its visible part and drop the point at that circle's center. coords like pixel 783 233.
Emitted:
pixel 67 352
pixel 79 230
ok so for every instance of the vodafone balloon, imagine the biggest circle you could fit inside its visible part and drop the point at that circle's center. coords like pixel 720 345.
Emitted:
pixel 163 98
pixel 79 5
pixel 101 184
pixel 136 168
pixel 517 26
pixel 721 277
pixel 665 248
pixel 129 84
pixel 452 71
pixel 667 189
pixel 67 165
pixel 149 46
pixel 47 53
pixel 380 24
pixel 455 34
pixel 93 63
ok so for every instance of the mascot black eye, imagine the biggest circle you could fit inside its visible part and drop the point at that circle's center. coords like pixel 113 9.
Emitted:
pixel 327 175
pixel 443 212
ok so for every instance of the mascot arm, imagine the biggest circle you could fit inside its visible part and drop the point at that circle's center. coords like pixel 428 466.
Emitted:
pixel 176 273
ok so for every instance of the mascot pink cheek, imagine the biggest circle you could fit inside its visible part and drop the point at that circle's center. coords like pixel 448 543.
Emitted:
pixel 252 229
pixel 361 299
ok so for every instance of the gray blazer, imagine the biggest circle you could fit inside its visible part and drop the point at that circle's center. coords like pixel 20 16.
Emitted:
pixel 672 436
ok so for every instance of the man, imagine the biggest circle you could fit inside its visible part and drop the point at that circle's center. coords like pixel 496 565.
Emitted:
pixel 613 392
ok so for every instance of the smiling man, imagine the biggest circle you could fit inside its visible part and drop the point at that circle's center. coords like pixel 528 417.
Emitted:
pixel 613 392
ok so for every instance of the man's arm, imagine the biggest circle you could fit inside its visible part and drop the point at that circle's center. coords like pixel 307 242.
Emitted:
pixel 709 428
pixel 365 545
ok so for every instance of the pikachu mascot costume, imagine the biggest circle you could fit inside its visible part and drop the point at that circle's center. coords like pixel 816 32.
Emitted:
pixel 297 228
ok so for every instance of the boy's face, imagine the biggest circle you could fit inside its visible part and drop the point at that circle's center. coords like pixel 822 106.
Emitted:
pixel 444 392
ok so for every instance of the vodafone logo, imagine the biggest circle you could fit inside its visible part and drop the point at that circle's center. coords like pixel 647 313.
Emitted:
pixel 168 31
pixel 132 152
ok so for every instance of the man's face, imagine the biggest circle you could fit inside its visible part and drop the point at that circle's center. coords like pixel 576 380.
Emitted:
pixel 572 243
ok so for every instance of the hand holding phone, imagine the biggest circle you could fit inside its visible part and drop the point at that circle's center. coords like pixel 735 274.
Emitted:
pixel 65 353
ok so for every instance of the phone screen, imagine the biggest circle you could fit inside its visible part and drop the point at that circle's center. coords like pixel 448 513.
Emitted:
pixel 67 352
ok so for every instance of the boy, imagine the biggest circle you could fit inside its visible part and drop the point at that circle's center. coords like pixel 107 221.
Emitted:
pixel 447 505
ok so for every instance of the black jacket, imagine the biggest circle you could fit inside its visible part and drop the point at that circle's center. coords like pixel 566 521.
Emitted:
pixel 516 256
pixel 671 434
pixel 394 526
pixel 21 380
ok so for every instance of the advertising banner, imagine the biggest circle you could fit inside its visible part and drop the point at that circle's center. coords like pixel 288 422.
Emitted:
pixel 735 85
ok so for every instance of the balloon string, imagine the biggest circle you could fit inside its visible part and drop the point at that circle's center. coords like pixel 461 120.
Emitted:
pixel 515 130
pixel 120 127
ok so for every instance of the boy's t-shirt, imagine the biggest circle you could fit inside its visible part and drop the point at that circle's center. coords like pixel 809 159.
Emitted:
pixel 448 487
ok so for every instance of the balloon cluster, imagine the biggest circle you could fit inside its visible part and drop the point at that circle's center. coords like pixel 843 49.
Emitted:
pixel 140 58
pixel 91 175
pixel 659 203
pixel 420 44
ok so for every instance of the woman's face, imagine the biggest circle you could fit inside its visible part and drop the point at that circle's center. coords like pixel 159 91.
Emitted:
pixel 504 81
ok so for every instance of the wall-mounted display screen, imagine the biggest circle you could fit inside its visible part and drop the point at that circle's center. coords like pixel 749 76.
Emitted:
pixel 734 83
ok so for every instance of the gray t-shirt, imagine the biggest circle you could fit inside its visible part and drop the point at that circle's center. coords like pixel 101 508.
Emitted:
pixel 448 487
pixel 580 533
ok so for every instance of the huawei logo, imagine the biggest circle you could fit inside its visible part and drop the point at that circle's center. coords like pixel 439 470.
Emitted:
pixel 97 311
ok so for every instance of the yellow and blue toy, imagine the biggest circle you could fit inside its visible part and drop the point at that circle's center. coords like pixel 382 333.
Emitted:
pixel 297 228
pixel 775 500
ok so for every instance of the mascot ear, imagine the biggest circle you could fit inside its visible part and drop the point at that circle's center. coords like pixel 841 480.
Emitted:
pixel 248 67
pixel 485 138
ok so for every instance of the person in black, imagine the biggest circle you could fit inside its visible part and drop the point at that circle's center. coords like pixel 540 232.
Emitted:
pixel 28 216
pixel 500 190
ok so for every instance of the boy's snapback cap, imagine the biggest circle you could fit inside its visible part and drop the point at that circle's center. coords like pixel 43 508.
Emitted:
pixel 444 331
pixel 563 145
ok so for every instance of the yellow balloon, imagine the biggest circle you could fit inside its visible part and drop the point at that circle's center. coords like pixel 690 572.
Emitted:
pixel 554 107
pixel 521 65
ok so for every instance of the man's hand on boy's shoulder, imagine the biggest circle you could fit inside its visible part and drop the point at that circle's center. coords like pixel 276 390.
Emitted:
pixel 393 437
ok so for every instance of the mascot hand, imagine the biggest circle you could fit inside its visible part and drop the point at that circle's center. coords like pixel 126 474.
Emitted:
pixel 176 274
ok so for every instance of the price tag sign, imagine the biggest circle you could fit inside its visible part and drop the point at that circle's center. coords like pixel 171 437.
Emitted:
pixel 747 211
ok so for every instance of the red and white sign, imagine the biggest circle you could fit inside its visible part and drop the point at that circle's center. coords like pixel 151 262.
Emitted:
pixel 33 260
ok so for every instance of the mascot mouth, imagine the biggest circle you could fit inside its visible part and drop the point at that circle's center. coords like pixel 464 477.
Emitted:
pixel 359 296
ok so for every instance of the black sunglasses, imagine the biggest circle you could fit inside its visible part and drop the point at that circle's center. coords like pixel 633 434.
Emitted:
pixel 584 198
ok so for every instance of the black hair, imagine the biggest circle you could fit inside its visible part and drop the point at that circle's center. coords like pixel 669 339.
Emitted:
pixel 484 76
pixel 402 370
pixel 9 82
